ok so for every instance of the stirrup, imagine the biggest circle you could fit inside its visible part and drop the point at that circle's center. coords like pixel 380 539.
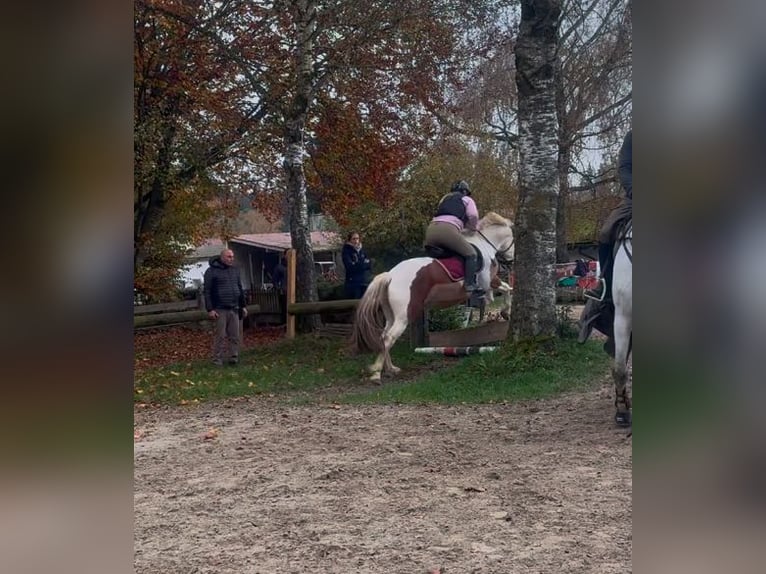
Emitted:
pixel 586 293
pixel 475 298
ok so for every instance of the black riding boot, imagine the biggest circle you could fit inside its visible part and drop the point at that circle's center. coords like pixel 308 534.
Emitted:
pixel 604 258
pixel 475 293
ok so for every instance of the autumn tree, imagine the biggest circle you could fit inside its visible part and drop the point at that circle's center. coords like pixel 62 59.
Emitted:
pixel 196 114
pixel 376 69
pixel 534 301
pixel 397 232
pixel 593 94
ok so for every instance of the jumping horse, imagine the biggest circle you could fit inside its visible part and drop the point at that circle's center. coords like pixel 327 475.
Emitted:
pixel 622 295
pixel 399 296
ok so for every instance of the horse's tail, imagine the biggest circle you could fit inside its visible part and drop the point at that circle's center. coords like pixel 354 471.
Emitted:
pixel 369 319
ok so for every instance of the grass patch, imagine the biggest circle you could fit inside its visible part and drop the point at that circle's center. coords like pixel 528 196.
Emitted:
pixel 309 369
pixel 525 371
pixel 306 364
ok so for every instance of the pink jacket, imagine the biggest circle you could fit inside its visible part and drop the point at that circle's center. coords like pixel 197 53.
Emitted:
pixel 471 213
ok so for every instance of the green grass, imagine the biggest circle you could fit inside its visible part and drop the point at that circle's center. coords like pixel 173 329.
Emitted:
pixel 310 369
pixel 514 372
pixel 306 364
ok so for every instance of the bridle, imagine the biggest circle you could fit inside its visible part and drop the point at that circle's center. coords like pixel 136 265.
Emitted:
pixel 499 254
pixel 624 238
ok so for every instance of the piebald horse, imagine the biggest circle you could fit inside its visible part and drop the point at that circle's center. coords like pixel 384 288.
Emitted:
pixel 400 295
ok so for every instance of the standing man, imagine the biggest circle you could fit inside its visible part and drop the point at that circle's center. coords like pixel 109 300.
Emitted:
pixel 225 304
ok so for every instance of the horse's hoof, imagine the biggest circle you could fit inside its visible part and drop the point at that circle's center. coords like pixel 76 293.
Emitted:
pixel 623 419
pixel 505 315
pixel 375 378
pixel 394 370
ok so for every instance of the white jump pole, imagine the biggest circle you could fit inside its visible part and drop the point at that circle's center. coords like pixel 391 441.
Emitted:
pixel 455 351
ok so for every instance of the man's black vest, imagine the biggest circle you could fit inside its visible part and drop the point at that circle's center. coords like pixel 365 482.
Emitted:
pixel 452 204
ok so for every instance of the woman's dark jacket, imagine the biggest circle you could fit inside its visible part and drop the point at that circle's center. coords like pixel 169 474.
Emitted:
pixel 356 263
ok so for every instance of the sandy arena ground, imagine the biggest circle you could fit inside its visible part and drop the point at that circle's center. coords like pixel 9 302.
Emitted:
pixel 253 486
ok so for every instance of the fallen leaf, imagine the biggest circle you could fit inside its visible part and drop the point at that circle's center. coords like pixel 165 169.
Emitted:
pixel 474 489
pixel 210 434
pixel 159 347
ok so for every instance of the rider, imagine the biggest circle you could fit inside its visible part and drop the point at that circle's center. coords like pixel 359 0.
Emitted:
pixel 620 213
pixel 457 211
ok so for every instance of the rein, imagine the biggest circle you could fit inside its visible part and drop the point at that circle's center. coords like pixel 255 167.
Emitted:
pixel 497 251
pixel 624 237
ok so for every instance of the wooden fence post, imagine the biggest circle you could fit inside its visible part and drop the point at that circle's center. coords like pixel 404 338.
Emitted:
pixel 419 330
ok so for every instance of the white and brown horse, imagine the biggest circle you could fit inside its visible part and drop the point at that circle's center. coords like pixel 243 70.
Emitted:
pixel 400 295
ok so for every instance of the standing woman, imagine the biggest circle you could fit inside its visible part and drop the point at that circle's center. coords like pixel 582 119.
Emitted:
pixel 357 265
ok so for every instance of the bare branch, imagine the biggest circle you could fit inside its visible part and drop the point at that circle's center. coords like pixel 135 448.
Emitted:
pixel 621 102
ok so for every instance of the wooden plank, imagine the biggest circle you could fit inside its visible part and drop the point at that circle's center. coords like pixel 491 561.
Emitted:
pixel 335 330
pixel 165 307
pixel 492 332
pixel 321 306
pixel 180 317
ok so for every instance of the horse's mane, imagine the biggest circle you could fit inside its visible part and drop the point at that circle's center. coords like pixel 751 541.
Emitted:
pixel 492 218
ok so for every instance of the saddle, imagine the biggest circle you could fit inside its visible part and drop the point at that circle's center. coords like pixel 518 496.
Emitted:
pixel 452 262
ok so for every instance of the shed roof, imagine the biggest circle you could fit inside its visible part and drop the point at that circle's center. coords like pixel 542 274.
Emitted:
pixel 320 240
pixel 210 248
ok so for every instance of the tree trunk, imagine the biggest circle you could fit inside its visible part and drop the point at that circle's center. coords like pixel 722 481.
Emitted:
pixel 149 206
pixel 295 124
pixel 564 159
pixel 534 298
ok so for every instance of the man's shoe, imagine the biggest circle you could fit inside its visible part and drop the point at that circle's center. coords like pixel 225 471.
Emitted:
pixel 218 362
pixel 233 360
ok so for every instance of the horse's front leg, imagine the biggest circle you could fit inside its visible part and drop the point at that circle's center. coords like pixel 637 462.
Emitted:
pixel 622 403
pixel 505 311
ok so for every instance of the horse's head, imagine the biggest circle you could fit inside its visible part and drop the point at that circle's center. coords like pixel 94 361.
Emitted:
pixel 499 231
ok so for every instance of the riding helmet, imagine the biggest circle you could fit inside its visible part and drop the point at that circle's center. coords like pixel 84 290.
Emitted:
pixel 462 187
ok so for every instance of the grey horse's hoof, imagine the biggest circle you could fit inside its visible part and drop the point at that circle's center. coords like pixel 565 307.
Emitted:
pixel 623 419
pixel 505 315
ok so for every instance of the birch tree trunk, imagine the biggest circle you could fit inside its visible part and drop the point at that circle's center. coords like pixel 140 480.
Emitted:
pixel 534 298
pixel 564 161
pixel 295 124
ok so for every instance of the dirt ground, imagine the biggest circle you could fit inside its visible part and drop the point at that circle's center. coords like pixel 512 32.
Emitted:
pixel 535 487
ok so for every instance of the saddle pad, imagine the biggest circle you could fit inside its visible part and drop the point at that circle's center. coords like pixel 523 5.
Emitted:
pixel 453 266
